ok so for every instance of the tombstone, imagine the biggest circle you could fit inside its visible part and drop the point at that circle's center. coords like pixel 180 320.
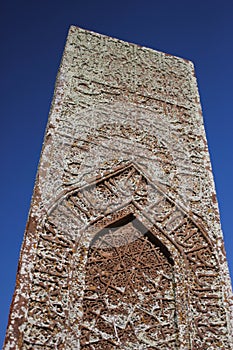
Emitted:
pixel 123 247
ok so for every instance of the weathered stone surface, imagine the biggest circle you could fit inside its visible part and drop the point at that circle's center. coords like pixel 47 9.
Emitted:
pixel 123 247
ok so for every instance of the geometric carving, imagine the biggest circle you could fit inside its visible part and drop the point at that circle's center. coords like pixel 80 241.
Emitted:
pixel 129 295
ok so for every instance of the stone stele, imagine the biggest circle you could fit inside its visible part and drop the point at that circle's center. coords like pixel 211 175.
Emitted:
pixel 123 247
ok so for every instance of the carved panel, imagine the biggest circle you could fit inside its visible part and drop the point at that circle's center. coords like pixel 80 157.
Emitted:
pixel 103 283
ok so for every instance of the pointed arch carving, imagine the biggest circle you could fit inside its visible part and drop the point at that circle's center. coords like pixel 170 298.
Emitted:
pixel 83 214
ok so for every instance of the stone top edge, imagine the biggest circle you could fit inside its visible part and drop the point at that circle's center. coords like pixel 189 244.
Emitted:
pixel 74 28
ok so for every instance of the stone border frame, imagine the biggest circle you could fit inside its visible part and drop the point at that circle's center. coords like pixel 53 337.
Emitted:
pixel 181 259
pixel 198 279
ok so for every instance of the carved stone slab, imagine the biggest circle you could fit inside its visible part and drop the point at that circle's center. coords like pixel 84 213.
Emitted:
pixel 123 248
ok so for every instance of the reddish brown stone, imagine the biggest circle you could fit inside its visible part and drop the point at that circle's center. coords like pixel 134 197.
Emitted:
pixel 123 248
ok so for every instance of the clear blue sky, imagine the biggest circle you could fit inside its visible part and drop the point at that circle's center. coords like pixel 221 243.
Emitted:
pixel 32 37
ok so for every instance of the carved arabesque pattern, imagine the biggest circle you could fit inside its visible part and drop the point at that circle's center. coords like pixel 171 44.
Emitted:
pixel 129 299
